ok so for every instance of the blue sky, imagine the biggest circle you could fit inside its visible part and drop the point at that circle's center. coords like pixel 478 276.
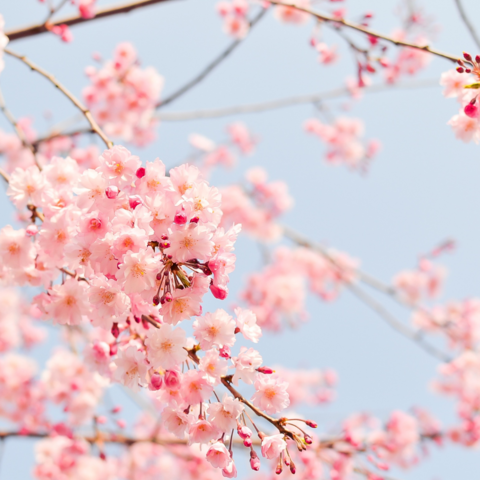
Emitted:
pixel 421 189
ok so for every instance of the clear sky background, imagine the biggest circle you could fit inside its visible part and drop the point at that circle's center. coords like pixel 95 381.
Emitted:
pixel 421 189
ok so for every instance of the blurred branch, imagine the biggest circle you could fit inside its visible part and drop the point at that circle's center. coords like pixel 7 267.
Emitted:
pixel 340 21
pixel 414 335
pixel 210 67
pixel 286 102
pixel 467 22
pixel 20 133
pixel 78 19
pixel 87 114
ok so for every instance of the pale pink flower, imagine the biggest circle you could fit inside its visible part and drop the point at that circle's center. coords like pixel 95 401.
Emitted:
pixel 202 431
pixel 273 446
pixel 190 242
pixel 195 387
pixel 16 248
pixel 213 365
pixel 176 421
pixel 271 393
pixel 138 271
pixel 288 14
pixel 465 128
pixel 246 364
pixel 119 166
pixel 247 323
pixel 214 329
pixel 26 186
pixel 108 301
pixel 131 368
pixel 218 455
pixel 224 415
pixel 454 83
pixel 69 302
pixel 166 346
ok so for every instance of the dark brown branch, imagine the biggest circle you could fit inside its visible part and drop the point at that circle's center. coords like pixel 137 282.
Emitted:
pixel 209 68
pixel 367 31
pixel 78 19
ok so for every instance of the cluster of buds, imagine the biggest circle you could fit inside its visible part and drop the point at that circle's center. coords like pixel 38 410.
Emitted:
pixel 469 65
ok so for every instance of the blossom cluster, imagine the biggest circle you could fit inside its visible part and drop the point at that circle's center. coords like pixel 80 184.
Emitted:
pixel 343 140
pixel 123 96
pixel 279 290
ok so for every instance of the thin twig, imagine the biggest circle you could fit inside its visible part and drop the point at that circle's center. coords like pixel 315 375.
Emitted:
pixel 78 19
pixel 20 133
pixel 210 67
pixel 67 93
pixel 398 326
pixel 467 22
pixel 286 102
pixel 367 31
pixel 54 10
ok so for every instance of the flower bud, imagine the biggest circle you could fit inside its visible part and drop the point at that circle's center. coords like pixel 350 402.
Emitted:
pixel 244 432
pixel 471 111
pixel 194 220
pixel 311 424
pixel 477 58
pixel 140 172
pixel 134 201
pixel 308 439
pixel 247 442
pixel 155 382
pixel 265 370
pixel 467 56
pixel 164 237
pixel 172 379
pixel 156 300
pixel 180 218
pixel 113 349
pixel 31 230
pixel 219 292
pixel 460 70
pixel 224 352
pixel 111 192
pixel 254 461
pixel 293 469
pixel 115 330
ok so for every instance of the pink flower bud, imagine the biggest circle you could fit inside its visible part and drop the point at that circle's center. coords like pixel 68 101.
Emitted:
pixel 134 201
pixel 121 423
pixel 31 230
pixel 102 455
pixel 113 349
pixel 244 432
pixel 471 111
pixel 111 192
pixel 254 461
pixel 194 220
pixel 308 439
pixel 293 469
pixel 117 409
pixel 101 419
pixel 311 424
pixel 155 382
pixel 247 442
pixel 460 70
pixel 164 237
pixel 180 218
pixel 172 379
pixel 140 172
pixel 477 58
pixel 219 292
pixel 115 330
pixel 224 352
pixel 265 370
pixel 278 470
pixel 156 300
pixel 467 56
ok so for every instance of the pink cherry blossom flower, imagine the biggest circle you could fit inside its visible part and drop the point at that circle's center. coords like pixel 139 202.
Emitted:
pixel 166 346
pixel 214 329
pixel 189 242
pixel 138 271
pixel 131 367
pixel 273 446
pixel 26 186
pixel 16 249
pixel 224 414
pixel 218 455
pixel 271 393
pixel 195 387
pixel 247 323
pixel 202 431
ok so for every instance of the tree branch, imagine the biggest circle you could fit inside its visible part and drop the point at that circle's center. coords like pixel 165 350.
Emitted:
pixel 367 31
pixel 67 93
pixel 285 102
pixel 467 22
pixel 209 68
pixel 78 19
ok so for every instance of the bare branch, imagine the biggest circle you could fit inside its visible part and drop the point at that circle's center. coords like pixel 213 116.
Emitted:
pixel 286 102
pixel 78 19
pixel 67 93
pixel 367 31
pixel 209 68
pixel 467 22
